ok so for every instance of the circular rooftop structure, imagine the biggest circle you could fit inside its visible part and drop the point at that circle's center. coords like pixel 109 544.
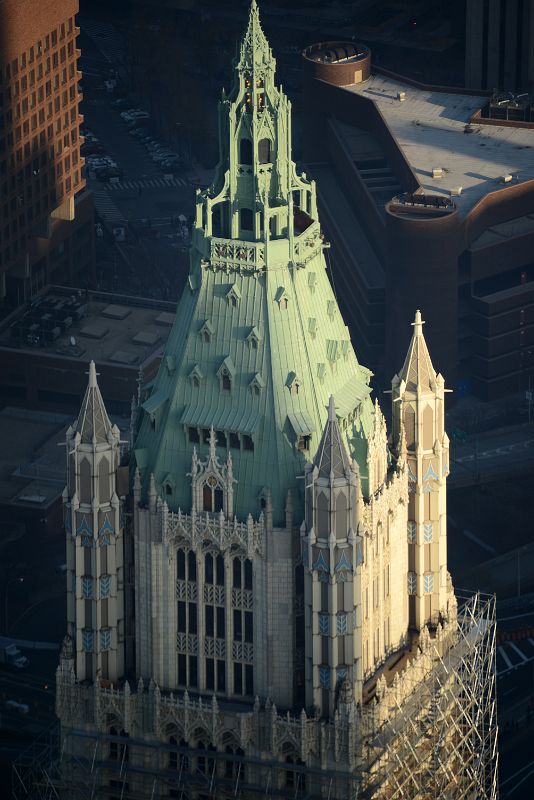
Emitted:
pixel 339 63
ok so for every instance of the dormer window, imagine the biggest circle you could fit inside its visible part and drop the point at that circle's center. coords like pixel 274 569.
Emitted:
pixel 331 308
pixel 257 384
pixel 293 383
pixel 212 496
pixel 195 376
pixel 304 442
pixel 282 298
pixel 226 373
pixel 253 338
pixel 207 331
pixel 233 295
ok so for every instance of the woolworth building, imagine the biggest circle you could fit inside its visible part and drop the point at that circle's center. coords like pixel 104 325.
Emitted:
pixel 258 596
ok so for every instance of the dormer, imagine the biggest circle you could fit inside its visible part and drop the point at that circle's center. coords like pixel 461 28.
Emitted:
pixel 331 308
pixel 207 331
pixel 282 298
pixel 257 384
pixel 196 376
pixel 253 339
pixel 233 296
pixel 293 383
pixel 226 373
pixel 312 327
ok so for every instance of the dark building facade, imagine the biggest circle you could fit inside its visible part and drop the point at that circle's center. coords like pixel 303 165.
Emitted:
pixel 46 229
pixel 427 205
pixel 499 45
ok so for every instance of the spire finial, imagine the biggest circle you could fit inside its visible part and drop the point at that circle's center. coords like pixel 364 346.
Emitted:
pixel 331 409
pixel 418 324
pixel 92 374
pixel 213 442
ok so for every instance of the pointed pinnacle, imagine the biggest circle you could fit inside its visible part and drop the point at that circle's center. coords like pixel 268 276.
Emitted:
pixel 418 323
pixel 92 374
pixel 331 409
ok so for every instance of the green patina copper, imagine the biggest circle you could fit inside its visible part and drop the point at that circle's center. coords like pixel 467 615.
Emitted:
pixel 259 343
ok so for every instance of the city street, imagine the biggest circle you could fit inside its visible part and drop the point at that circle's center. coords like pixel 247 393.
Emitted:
pixel 153 260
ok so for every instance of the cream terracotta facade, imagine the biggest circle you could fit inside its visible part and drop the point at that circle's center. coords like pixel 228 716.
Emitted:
pixel 279 620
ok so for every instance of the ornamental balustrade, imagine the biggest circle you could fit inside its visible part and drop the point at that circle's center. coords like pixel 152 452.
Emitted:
pixel 196 529
pixel 237 256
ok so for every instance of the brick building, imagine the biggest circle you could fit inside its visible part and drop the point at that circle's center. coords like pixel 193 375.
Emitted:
pixel 46 213
pixel 427 200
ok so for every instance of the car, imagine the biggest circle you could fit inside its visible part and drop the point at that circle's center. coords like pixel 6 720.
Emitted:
pixel 164 155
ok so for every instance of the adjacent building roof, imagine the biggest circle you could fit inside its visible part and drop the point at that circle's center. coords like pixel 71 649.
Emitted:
pixel 433 130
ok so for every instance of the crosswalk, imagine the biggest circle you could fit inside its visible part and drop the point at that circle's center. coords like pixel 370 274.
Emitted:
pixel 147 183
pixel 108 40
pixel 105 207
pixel 511 655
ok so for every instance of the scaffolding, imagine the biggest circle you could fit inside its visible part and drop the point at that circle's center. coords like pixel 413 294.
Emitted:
pixel 436 741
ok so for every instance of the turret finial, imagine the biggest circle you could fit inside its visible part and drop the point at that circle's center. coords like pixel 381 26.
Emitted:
pixel 418 323
pixel 92 374
pixel 331 409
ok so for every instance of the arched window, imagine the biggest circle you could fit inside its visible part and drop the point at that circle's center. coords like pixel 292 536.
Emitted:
pixel 191 566
pixel 180 565
pixel 245 151
pixel 248 574
pixel 219 565
pixel 236 569
pixel 212 496
pixel 246 219
pixel 173 754
pixel 264 151
pixel 118 751
pixel 208 568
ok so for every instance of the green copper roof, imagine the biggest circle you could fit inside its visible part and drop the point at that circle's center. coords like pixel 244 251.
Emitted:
pixel 259 344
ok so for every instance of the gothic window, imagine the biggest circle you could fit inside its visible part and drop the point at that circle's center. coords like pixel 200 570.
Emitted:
pixel 428 583
pixel 322 516
pixel 191 566
pixel 324 677
pixel 246 219
pixel 85 481
pixel 409 427
pixel 324 624
pixel 173 754
pixel 105 586
pixel 212 496
pixel 427 532
pixel 264 151
pixel 245 151
pixel 105 639
pixel 88 640
pixel 412 583
pixel 208 568
pixel 87 587
pixel 248 443
pixel 180 565
pixel 341 624
pixel 304 442
pixel 234 441
pixel 104 481
pixel 168 489
pixel 219 570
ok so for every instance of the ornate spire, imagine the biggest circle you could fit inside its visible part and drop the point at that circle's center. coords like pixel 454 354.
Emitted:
pixel 331 459
pixel 418 372
pixel 255 51
pixel 93 423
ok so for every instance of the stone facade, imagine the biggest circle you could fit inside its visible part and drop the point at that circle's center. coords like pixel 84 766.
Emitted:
pixel 279 564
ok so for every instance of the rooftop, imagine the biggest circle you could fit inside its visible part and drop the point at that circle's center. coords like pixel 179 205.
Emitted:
pixel 90 326
pixel 433 130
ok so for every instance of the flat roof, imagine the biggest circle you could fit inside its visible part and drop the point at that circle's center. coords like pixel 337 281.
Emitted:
pixel 90 326
pixel 430 128
pixel 32 466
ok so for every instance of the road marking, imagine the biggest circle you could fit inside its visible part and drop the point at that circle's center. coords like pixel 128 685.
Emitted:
pixel 518 651
pixel 476 540
pixel 505 657
pixel 147 183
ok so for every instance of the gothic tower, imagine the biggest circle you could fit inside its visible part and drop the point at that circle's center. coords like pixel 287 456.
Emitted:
pixel 296 631
pixel 94 528
pixel 418 412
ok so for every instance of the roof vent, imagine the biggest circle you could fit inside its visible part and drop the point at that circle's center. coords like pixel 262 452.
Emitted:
pixel 506 178
pixel 401 96
pixel 457 191
pixel 437 172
